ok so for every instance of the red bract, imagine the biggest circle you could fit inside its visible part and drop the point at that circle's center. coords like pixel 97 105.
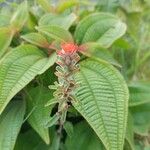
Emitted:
pixel 68 48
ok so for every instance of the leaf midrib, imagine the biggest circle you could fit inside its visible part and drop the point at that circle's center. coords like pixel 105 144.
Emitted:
pixel 94 98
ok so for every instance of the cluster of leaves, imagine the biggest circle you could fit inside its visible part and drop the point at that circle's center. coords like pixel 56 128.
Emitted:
pixel 114 64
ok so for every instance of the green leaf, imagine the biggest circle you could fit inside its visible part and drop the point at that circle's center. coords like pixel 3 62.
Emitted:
pixel 4 20
pixel 129 134
pixel 66 5
pixel 45 5
pixel 36 98
pixel 102 99
pixel 139 93
pixel 30 141
pixel 52 120
pixel 83 138
pixel 10 123
pixel 20 17
pixel 6 35
pixel 95 51
pixel 1 1
pixel 51 102
pixel 141 119
pixel 68 126
pixel 18 68
pixel 56 33
pixel 109 5
pixel 53 19
pixel 103 28
pixel 36 39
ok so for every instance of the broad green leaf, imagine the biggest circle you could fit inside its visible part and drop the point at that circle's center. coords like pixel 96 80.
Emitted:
pixel 66 5
pixel 30 141
pixel 45 5
pixel 103 28
pixel 10 123
pixel 83 138
pixel 18 68
pixel 53 19
pixel 102 99
pixel 37 97
pixel 36 39
pixel 20 17
pixel 56 33
pixel 141 119
pixel 6 35
pixel 95 51
pixel 139 93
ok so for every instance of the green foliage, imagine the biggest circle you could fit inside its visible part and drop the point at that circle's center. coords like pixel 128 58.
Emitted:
pixel 56 33
pixel 20 16
pixel 95 51
pixel 10 124
pixel 139 93
pixel 18 68
pixel 53 19
pixel 36 39
pixel 103 98
pixel 102 51
pixel 86 138
pixel 6 35
pixel 102 28
pixel 45 5
pixel 36 99
pixel 66 5
pixel 24 142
